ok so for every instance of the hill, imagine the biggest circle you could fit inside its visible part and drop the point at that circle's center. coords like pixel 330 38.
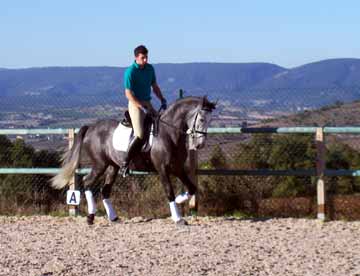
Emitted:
pixel 338 114
pixel 246 91
pixel 309 86
pixel 332 73
pixel 65 81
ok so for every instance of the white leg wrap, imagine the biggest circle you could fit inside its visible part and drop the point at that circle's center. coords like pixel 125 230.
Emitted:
pixel 174 212
pixel 182 198
pixel 90 202
pixel 109 209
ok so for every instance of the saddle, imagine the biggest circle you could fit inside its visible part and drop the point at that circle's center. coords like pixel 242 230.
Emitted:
pixel 151 126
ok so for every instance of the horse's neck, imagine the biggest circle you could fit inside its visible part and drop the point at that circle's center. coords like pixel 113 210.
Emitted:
pixel 178 115
pixel 175 122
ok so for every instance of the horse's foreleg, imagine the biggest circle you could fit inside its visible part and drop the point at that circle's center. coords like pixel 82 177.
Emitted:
pixel 106 191
pixel 89 180
pixel 165 181
pixel 185 179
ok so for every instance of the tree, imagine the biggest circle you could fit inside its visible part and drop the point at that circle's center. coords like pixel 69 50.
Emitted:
pixel 341 156
pixel 291 153
pixel 217 160
pixel 24 190
pixel 21 155
pixel 5 147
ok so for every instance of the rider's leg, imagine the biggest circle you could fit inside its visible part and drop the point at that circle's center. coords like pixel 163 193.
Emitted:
pixel 134 148
pixel 149 107
pixel 137 119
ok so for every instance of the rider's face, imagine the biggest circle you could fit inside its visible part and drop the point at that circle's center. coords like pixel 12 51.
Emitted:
pixel 141 59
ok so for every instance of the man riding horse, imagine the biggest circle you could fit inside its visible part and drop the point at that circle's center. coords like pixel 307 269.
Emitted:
pixel 183 123
pixel 139 78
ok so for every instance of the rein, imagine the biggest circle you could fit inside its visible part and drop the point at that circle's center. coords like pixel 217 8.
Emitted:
pixel 191 131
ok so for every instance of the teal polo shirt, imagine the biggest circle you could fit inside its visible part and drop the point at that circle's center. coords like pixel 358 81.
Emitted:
pixel 139 80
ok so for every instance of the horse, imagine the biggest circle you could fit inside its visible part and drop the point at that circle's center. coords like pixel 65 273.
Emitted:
pixel 188 117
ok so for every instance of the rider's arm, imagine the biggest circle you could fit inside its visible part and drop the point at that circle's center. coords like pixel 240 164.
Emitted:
pixel 157 89
pixel 157 92
pixel 128 83
pixel 130 96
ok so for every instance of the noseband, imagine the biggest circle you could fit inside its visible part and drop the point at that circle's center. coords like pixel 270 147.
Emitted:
pixel 192 131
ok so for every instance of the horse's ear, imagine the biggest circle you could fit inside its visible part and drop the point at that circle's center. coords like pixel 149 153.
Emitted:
pixel 204 101
pixel 214 104
pixel 207 105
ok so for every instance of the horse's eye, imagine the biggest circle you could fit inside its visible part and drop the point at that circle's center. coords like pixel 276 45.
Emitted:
pixel 202 120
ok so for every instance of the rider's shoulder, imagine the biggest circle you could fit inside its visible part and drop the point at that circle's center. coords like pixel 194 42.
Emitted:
pixel 130 70
pixel 150 66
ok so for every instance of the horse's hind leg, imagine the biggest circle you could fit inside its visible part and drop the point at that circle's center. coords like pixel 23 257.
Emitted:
pixel 89 180
pixel 111 174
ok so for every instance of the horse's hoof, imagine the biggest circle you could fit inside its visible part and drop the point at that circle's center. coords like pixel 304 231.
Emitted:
pixel 182 222
pixel 90 219
pixel 115 220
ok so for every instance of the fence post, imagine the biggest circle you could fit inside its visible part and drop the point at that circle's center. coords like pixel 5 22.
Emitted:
pixel 320 168
pixel 73 210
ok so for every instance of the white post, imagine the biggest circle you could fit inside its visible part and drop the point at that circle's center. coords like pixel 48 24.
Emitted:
pixel 73 210
pixel 320 168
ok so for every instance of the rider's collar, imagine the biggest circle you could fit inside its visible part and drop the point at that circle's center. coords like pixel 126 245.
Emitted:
pixel 138 66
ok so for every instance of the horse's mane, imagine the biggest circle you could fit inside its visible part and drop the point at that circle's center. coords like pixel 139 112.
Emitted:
pixel 191 100
pixel 187 99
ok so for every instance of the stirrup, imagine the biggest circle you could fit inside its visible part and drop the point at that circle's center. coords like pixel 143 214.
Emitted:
pixel 125 171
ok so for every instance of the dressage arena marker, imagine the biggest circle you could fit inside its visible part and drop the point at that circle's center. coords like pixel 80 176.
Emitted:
pixel 73 197
pixel 73 210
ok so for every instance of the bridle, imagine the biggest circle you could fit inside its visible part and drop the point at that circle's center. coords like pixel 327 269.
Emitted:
pixel 191 131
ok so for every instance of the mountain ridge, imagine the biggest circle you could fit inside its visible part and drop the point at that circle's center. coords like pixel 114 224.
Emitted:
pixel 308 86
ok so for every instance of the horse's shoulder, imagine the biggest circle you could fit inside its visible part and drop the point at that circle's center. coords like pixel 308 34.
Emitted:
pixel 106 124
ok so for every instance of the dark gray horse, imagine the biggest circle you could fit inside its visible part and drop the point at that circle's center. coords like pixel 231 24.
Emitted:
pixel 188 117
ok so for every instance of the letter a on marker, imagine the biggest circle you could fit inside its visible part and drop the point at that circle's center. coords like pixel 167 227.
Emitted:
pixel 72 198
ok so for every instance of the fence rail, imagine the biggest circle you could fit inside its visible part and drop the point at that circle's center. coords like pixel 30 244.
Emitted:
pixel 318 172
pixel 260 172
pixel 225 130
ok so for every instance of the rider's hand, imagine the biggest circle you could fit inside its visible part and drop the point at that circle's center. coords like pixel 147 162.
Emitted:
pixel 143 109
pixel 163 104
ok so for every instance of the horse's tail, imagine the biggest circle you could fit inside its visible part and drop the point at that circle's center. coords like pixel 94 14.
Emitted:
pixel 70 161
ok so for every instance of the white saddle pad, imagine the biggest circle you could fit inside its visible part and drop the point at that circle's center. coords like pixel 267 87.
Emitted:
pixel 122 135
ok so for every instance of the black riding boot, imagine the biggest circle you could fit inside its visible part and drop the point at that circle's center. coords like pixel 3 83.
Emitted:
pixel 134 148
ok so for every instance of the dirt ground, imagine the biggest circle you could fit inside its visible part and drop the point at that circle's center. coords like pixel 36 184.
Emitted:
pixel 43 245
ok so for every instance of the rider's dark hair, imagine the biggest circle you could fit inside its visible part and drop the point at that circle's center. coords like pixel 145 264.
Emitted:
pixel 140 50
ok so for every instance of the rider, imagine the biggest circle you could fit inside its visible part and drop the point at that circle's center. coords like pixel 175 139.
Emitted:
pixel 139 78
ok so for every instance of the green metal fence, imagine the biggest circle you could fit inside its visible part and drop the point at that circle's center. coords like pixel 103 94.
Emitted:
pixel 320 171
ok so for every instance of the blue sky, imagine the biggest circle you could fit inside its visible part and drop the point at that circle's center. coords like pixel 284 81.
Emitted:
pixel 41 33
